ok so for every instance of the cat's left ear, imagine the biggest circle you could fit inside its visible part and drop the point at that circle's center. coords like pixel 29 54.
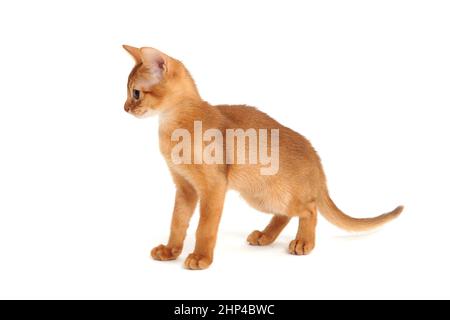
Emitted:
pixel 156 61
pixel 156 66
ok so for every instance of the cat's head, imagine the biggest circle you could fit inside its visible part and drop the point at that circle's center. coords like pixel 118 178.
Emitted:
pixel 156 82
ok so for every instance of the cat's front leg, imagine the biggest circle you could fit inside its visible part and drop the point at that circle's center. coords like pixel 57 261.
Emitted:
pixel 211 205
pixel 185 202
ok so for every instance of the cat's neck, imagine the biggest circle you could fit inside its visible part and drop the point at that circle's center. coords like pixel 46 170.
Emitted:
pixel 182 108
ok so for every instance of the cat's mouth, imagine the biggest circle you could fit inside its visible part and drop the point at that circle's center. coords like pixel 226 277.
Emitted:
pixel 138 111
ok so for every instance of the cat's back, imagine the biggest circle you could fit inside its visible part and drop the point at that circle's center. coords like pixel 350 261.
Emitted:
pixel 292 144
pixel 243 116
pixel 246 117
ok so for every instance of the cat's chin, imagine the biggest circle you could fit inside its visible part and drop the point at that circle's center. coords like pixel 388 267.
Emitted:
pixel 146 114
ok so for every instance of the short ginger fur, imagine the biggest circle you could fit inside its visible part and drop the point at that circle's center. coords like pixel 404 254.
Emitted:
pixel 161 85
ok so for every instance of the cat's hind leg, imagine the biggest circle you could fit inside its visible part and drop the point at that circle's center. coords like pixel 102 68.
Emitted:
pixel 306 236
pixel 270 233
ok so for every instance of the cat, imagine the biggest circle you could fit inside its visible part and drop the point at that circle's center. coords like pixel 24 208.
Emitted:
pixel 161 85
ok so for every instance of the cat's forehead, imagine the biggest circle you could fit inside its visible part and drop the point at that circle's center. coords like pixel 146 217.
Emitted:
pixel 143 77
pixel 134 73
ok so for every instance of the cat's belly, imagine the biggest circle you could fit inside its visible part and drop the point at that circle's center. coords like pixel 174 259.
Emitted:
pixel 261 192
pixel 274 204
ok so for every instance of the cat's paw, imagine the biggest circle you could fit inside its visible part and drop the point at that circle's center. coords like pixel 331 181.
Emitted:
pixel 197 262
pixel 301 247
pixel 165 253
pixel 258 238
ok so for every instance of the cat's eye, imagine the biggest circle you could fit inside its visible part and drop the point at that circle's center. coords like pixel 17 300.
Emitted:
pixel 136 94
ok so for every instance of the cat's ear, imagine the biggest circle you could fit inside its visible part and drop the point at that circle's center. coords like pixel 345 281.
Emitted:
pixel 156 66
pixel 134 52
pixel 156 61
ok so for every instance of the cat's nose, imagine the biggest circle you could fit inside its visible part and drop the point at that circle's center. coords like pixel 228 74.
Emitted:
pixel 126 107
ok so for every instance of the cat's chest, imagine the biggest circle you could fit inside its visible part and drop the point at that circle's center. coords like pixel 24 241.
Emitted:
pixel 165 144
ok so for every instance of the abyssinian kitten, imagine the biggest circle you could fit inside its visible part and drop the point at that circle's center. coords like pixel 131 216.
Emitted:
pixel 161 85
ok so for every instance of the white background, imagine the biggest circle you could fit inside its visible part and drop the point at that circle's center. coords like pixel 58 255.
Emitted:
pixel 85 194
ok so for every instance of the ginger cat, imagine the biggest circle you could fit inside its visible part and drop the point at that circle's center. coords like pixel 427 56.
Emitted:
pixel 159 84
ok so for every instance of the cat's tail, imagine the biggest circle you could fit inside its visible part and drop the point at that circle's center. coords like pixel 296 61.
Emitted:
pixel 333 214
